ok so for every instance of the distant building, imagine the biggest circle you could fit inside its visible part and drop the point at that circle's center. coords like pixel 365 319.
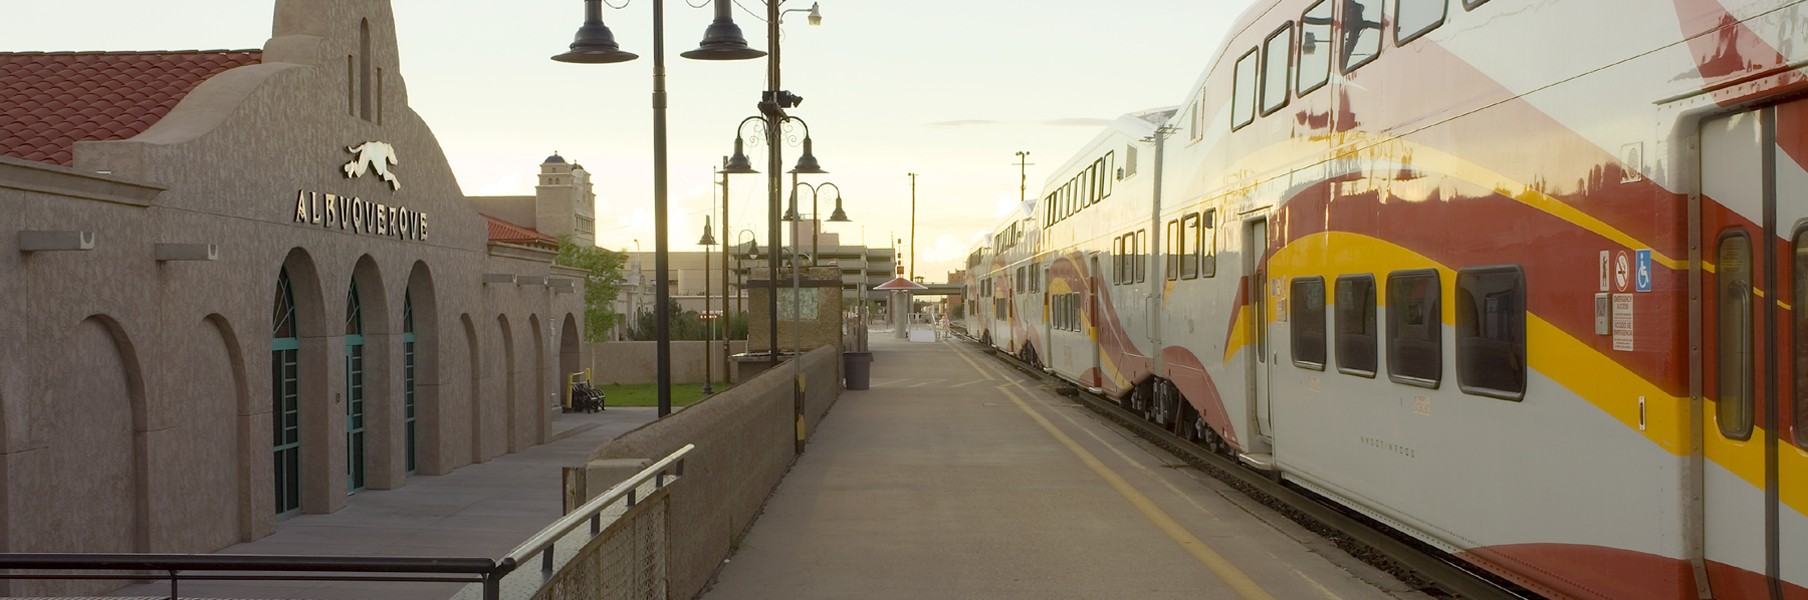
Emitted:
pixel 859 265
pixel 564 203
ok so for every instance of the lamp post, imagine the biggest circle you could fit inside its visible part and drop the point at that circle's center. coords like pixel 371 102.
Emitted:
pixel 913 226
pixel 773 123
pixel 753 252
pixel 839 216
pixel 595 44
pixel 709 336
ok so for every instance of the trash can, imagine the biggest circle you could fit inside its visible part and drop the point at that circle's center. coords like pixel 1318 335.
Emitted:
pixel 859 369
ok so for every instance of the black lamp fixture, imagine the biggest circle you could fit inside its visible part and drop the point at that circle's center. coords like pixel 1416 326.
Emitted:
pixel 595 44
pixel 839 216
pixel 723 39
pixel 709 238
pixel 738 164
pixel 807 164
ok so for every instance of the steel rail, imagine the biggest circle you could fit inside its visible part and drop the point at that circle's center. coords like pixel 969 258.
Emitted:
pixel 1440 571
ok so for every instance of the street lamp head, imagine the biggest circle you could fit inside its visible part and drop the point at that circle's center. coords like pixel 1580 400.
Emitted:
pixel 839 216
pixel 708 239
pixel 595 44
pixel 791 208
pixel 723 39
pixel 738 164
pixel 815 13
pixel 807 164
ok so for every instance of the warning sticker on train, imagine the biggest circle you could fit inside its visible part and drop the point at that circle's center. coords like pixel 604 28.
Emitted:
pixel 1622 321
pixel 1622 271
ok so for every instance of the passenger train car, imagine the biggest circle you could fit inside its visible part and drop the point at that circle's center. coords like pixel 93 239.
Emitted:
pixel 1518 278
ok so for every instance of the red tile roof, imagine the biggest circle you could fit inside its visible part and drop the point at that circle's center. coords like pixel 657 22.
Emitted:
pixel 504 231
pixel 49 101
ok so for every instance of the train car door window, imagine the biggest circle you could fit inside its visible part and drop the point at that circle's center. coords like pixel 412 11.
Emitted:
pixel 1733 275
pixel 1277 60
pixel 1357 332
pixel 1799 362
pixel 1491 332
pixel 1415 328
pixel 1415 18
pixel 1189 244
pixel 1173 250
pixel 1361 41
pixel 1307 303
pixel 1117 260
pixel 1243 97
pixel 1314 47
pixel 1142 256
pixel 1208 243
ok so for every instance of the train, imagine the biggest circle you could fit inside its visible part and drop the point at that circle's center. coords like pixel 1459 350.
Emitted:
pixel 1514 278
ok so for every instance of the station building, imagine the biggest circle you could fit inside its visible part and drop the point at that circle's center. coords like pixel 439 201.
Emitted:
pixel 242 285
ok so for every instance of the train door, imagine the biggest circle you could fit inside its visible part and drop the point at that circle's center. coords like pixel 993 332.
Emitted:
pixel 1092 318
pixel 1255 267
pixel 1753 174
pixel 1048 322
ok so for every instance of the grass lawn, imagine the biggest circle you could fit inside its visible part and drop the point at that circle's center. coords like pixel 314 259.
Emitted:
pixel 683 394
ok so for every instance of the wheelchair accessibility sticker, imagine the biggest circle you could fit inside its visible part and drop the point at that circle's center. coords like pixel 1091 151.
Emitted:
pixel 1642 274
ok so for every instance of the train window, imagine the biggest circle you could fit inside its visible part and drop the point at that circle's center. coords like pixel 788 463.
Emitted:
pixel 1208 244
pixel 1173 250
pixel 1491 332
pixel 1314 51
pixel 1142 256
pixel 1277 62
pixel 1189 246
pixel 1800 353
pixel 1243 101
pixel 1357 332
pixel 1307 303
pixel 1414 18
pixel 1415 335
pixel 1361 33
pixel 1197 131
pixel 1733 410
pixel 1471 4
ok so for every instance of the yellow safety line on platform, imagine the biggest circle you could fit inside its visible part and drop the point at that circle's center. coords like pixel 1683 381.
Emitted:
pixel 1236 578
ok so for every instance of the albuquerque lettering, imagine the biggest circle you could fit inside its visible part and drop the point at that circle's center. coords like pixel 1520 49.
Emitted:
pixel 348 213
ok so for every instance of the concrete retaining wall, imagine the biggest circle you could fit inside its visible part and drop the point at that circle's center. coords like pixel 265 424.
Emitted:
pixel 746 441
pixel 635 362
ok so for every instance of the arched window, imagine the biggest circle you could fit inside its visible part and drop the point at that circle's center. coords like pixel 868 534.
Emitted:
pixel 285 398
pixel 354 390
pixel 408 427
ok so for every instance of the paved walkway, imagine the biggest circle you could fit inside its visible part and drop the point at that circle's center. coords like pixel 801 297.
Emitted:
pixel 956 477
pixel 476 511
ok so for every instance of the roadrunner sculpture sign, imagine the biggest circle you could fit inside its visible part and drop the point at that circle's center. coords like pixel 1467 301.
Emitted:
pixel 373 157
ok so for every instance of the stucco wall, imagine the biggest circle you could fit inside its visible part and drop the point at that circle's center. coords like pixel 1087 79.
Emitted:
pixel 746 440
pixel 135 401
pixel 637 362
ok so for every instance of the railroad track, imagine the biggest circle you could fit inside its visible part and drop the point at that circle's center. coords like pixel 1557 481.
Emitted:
pixel 1431 570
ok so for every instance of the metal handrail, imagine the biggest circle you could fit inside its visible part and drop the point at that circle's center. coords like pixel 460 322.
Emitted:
pixel 543 543
pixel 265 567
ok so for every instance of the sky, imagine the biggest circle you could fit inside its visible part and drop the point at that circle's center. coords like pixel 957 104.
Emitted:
pixel 950 91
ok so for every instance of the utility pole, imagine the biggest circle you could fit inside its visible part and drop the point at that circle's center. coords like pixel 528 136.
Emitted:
pixel 913 226
pixel 1023 176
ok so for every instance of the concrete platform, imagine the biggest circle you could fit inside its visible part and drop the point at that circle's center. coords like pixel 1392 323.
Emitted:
pixel 957 477
pixel 477 511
